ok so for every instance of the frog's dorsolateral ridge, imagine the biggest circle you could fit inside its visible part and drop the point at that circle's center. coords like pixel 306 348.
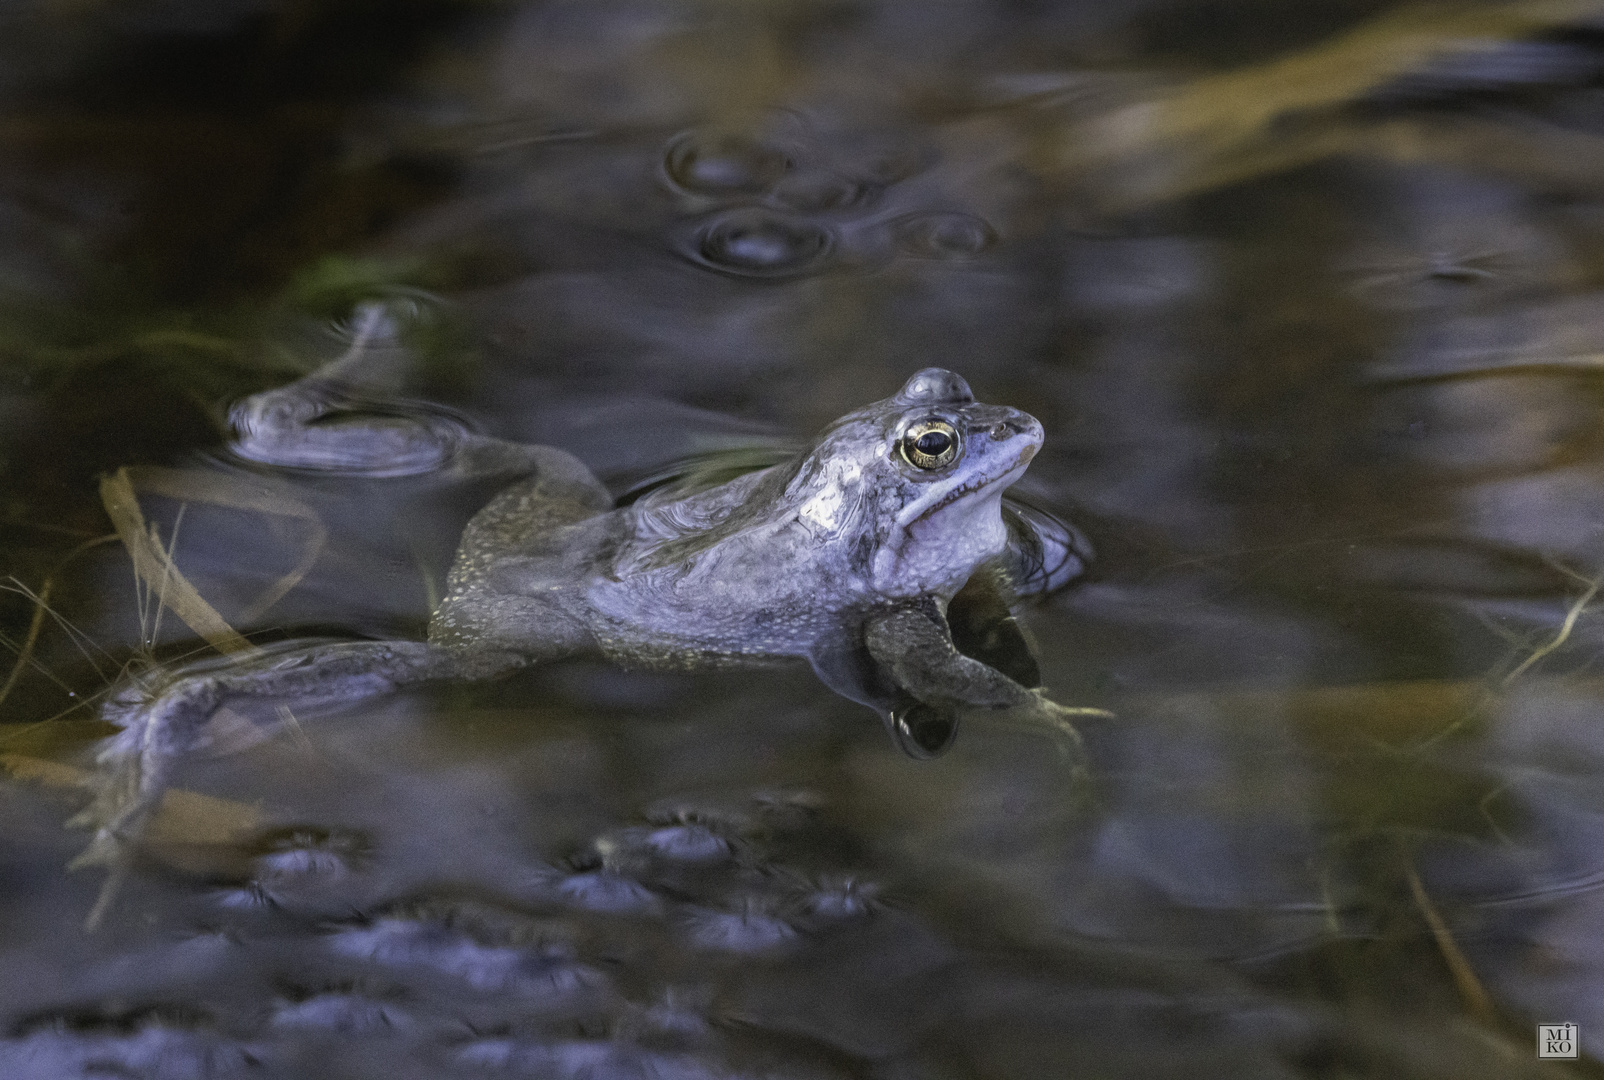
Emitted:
pixel 876 555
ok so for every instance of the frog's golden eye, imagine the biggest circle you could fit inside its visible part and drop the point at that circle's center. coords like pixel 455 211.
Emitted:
pixel 930 444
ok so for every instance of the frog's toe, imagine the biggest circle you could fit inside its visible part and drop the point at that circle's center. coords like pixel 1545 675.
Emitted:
pixel 1066 737
pixel 1044 715
pixel 112 849
pixel 106 849
pixel 118 815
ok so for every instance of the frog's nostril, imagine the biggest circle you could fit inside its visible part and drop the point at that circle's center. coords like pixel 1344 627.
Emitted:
pixel 1002 430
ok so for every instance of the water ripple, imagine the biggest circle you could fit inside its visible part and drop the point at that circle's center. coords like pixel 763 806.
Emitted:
pixel 757 243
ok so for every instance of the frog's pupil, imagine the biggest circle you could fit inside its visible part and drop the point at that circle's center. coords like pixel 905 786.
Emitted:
pixel 934 443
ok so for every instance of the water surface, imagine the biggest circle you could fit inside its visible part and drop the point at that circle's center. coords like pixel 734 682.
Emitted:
pixel 1307 299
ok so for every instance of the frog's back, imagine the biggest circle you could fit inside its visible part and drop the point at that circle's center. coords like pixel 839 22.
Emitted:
pixel 712 578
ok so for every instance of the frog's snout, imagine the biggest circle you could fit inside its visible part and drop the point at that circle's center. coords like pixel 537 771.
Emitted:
pixel 1020 426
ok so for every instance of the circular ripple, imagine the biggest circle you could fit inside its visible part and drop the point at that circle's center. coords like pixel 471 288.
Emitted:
pixel 943 235
pixel 723 165
pixel 757 243
pixel 823 193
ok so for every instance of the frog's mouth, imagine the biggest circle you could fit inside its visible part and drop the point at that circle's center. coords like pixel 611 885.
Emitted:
pixel 994 483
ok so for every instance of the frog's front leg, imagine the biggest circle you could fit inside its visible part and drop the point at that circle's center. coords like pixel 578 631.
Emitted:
pixel 914 645
pixel 160 724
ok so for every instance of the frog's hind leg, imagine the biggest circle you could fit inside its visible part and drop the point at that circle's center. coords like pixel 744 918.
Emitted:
pixel 347 417
pixel 163 723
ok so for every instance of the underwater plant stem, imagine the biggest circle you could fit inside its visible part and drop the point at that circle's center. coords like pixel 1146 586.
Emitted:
pixel 1560 638
pixel 1471 991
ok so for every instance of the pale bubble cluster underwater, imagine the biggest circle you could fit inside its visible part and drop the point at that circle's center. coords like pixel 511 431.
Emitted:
pixel 1308 298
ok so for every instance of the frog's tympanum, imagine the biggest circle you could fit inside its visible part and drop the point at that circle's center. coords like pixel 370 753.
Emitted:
pixel 849 557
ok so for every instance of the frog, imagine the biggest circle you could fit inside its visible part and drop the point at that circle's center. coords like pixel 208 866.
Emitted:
pixel 877 554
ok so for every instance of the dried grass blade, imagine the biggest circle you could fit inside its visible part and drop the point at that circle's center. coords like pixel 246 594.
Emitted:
pixel 1471 991
pixel 156 569
pixel 41 608
pixel 241 494
pixel 1225 128
pixel 26 651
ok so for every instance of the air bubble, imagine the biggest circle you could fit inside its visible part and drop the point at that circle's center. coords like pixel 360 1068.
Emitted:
pixel 724 165
pixel 748 930
pixel 342 1013
pixel 309 853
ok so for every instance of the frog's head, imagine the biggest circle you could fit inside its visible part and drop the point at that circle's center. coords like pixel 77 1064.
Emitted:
pixel 914 483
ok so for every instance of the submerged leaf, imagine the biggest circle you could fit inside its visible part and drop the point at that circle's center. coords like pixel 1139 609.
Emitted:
pixel 183 817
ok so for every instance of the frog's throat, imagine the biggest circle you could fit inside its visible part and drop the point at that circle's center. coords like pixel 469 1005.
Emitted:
pixel 911 564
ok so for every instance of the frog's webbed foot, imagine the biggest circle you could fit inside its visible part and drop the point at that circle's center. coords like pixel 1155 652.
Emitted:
pixel 162 723
pixel 134 766
pixel 1043 716
pixel 924 730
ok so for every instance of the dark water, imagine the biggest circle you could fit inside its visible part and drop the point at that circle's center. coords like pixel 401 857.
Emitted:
pixel 1306 296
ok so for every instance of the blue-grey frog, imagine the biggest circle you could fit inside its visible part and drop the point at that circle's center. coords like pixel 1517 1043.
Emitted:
pixel 879 555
